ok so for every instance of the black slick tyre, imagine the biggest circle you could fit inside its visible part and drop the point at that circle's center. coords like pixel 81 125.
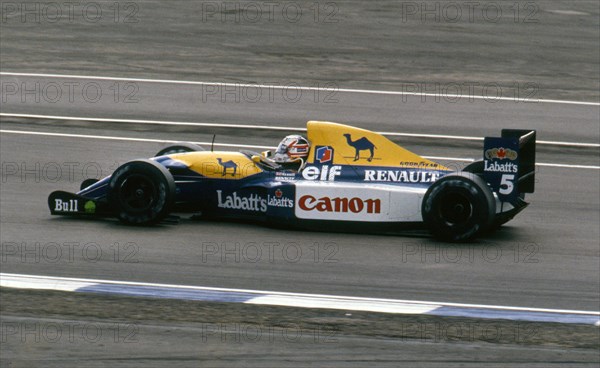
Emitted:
pixel 141 192
pixel 458 207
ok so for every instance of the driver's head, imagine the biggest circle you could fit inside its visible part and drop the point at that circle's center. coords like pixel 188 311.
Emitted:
pixel 292 148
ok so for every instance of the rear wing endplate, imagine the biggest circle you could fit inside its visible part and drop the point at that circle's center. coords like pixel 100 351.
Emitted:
pixel 509 163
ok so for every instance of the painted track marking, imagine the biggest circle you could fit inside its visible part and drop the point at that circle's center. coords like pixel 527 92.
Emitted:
pixel 68 135
pixel 301 88
pixel 267 127
pixel 299 300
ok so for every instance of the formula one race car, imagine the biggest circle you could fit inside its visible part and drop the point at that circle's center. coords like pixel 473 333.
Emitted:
pixel 353 179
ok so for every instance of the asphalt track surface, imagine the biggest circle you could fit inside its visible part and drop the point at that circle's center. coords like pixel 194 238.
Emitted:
pixel 548 257
pixel 560 222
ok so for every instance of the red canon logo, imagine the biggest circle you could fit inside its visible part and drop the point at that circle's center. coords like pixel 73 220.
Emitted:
pixel 326 204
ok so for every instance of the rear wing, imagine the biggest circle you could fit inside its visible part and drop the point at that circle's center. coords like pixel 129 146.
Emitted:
pixel 509 163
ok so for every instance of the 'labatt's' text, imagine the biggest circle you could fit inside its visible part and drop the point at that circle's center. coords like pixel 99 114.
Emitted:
pixel 507 167
pixel 234 201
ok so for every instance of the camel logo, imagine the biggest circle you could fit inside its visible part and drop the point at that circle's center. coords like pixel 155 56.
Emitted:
pixel 362 144
pixel 227 165
pixel 501 154
pixel 323 154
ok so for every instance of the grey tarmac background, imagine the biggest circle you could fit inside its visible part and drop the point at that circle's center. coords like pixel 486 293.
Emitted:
pixel 365 44
pixel 548 258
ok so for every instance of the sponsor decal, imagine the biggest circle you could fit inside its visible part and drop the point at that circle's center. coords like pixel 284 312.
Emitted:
pixel 253 202
pixel 71 205
pixel 278 200
pixel 324 173
pixel 420 165
pixel 285 176
pixel 494 166
pixel 227 165
pixel 402 176
pixel 339 204
pixel 501 166
pixel 89 207
pixel 501 154
pixel 361 144
pixel 324 154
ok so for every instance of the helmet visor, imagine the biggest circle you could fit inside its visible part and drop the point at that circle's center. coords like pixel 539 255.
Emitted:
pixel 284 146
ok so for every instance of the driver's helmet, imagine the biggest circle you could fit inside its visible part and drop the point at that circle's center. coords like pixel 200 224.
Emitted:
pixel 291 149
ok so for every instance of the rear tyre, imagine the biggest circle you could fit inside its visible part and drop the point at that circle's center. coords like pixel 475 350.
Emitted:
pixel 179 148
pixel 142 192
pixel 458 207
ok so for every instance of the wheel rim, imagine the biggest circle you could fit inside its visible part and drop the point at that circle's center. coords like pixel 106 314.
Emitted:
pixel 137 193
pixel 455 209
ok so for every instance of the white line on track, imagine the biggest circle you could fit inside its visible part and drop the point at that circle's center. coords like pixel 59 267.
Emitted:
pixel 68 135
pixel 324 89
pixel 6 280
pixel 267 127
pixel 112 138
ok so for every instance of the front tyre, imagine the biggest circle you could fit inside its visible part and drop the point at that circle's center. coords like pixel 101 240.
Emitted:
pixel 142 192
pixel 458 207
